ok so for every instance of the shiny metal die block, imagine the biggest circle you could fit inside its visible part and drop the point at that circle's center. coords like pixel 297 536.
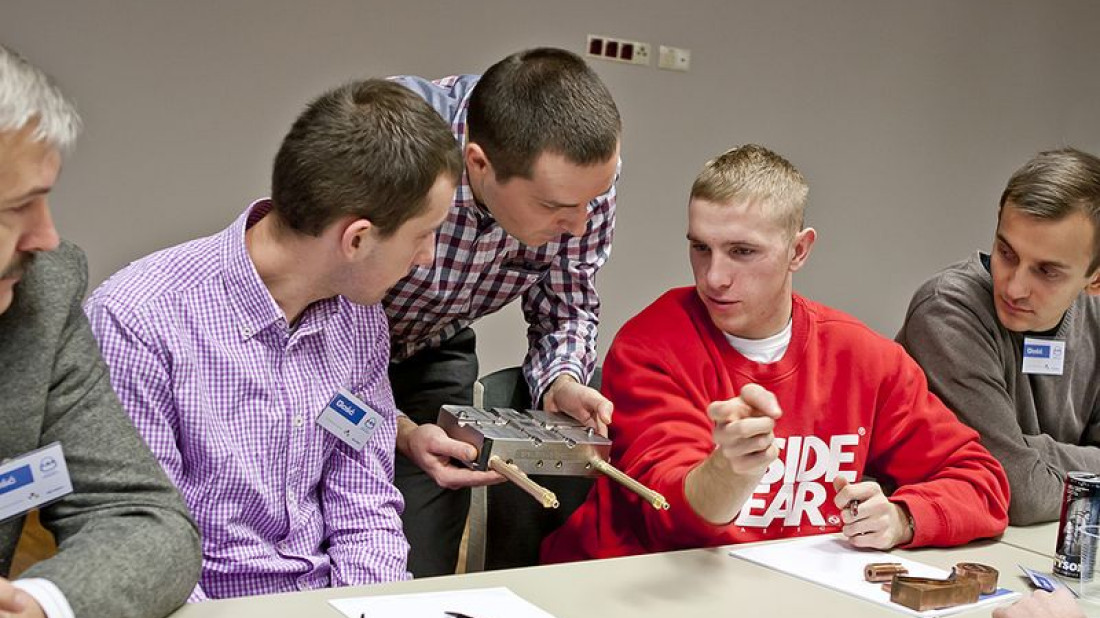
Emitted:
pixel 535 441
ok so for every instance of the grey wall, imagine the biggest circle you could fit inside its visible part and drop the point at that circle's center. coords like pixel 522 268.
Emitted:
pixel 907 117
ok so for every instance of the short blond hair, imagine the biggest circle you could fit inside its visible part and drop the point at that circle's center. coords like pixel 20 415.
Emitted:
pixel 752 172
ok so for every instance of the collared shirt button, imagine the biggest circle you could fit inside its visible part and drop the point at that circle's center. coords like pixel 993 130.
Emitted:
pixel 299 420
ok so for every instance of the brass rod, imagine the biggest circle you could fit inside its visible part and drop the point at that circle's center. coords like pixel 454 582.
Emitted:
pixel 511 472
pixel 657 500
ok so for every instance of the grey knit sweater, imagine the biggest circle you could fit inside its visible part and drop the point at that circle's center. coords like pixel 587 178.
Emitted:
pixel 1038 426
pixel 127 544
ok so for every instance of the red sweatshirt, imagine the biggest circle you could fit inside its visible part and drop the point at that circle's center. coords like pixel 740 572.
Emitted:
pixel 853 402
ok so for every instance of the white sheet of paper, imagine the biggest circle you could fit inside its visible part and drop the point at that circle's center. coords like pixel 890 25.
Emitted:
pixel 478 602
pixel 830 561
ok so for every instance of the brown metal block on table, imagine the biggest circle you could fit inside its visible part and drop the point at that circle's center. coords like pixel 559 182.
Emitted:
pixel 883 571
pixel 923 593
pixel 986 575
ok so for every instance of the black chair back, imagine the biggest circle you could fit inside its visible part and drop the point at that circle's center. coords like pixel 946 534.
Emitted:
pixel 515 523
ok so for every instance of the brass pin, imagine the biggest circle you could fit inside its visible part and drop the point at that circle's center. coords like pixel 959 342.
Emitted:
pixel 657 500
pixel 512 472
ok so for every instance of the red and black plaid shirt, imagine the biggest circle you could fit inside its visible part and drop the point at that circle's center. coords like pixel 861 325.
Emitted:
pixel 479 268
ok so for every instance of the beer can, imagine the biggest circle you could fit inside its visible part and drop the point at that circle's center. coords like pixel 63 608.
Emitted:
pixel 1080 508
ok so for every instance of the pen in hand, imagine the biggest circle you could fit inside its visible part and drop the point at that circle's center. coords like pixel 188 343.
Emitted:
pixel 839 483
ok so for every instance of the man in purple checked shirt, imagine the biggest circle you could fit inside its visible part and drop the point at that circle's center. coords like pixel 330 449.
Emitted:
pixel 254 361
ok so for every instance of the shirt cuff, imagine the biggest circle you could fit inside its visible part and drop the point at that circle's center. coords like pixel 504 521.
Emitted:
pixel 198 595
pixel 48 595
pixel 543 383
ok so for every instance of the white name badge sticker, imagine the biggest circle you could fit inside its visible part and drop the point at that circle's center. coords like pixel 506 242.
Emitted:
pixel 33 479
pixel 349 419
pixel 1044 356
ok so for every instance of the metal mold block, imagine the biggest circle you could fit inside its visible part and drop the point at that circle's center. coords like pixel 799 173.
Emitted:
pixel 535 441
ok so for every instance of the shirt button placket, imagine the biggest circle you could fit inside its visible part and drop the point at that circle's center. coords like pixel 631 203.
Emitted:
pixel 294 440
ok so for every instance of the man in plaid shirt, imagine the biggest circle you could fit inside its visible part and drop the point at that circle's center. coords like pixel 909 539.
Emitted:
pixel 532 218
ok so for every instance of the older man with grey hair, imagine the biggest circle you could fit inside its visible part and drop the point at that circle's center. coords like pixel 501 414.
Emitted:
pixel 128 547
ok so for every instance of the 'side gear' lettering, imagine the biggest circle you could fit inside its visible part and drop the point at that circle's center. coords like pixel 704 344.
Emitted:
pixel 804 466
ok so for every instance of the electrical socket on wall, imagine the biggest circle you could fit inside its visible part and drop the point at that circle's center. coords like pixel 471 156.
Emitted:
pixel 618 50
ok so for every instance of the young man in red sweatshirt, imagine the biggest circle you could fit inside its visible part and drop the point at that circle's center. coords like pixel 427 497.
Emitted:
pixel 758 413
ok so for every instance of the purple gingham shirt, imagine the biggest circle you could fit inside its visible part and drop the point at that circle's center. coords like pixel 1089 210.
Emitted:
pixel 226 395
pixel 479 268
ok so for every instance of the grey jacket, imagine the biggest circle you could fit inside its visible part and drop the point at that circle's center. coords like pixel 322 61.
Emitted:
pixel 127 544
pixel 1038 426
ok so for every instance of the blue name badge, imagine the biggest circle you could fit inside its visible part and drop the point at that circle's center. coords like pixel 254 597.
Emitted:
pixel 1037 351
pixel 349 419
pixel 1044 356
pixel 32 480
pixel 1046 582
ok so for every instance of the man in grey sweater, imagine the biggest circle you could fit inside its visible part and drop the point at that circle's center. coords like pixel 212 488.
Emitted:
pixel 127 545
pixel 1011 340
